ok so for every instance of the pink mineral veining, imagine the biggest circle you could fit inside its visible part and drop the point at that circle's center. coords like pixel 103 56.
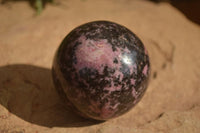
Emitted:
pixel 102 69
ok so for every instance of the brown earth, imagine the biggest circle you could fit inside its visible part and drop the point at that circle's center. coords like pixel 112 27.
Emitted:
pixel 29 102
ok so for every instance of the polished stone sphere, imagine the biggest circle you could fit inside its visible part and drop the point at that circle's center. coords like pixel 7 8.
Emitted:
pixel 101 69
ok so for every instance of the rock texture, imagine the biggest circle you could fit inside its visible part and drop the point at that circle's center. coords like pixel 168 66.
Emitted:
pixel 29 102
pixel 102 68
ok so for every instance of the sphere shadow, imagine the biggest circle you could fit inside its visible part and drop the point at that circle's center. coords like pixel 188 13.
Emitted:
pixel 28 92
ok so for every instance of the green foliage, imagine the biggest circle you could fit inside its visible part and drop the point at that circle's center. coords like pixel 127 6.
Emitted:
pixel 39 5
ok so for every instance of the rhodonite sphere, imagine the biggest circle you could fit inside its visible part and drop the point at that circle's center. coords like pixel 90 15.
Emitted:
pixel 101 70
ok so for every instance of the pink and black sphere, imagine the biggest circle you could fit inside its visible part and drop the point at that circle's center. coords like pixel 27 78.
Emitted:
pixel 102 69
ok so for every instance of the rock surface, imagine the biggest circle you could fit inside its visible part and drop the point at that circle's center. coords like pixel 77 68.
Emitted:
pixel 102 68
pixel 29 102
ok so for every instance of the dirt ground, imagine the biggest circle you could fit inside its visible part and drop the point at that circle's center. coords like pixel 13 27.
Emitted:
pixel 29 102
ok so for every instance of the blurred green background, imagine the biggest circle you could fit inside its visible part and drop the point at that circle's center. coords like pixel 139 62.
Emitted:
pixel 191 8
